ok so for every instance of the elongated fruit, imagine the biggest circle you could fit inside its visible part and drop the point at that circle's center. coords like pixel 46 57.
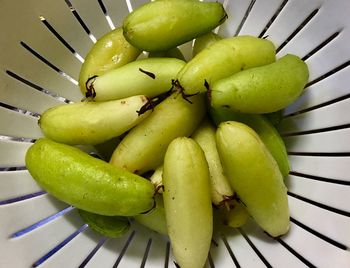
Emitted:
pixel 224 58
pixel 164 24
pixel 263 89
pixel 255 176
pixel 187 202
pixel 109 52
pixel 87 183
pixel 262 126
pixel 110 226
pixel 92 122
pixel 155 219
pixel 149 77
pixel 144 147
pixel 221 190
pixel 204 41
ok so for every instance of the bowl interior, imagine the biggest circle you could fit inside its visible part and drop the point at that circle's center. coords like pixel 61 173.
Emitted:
pixel 43 45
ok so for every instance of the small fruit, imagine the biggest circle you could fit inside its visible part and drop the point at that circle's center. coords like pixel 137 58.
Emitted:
pixel 263 89
pixel 204 41
pixel 144 147
pixel 222 59
pixel 109 52
pixel 109 226
pixel 220 189
pixel 155 219
pixel 87 183
pixel 164 24
pixel 254 175
pixel 187 202
pixel 262 126
pixel 150 77
pixel 92 122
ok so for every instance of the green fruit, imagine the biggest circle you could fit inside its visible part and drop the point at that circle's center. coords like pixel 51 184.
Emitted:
pixel 144 147
pixel 105 149
pixel 224 58
pixel 187 202
pixel 255 176
pixel 262 89
pixel 150 77
pixel 92 122
pixel 275 117
pixel 109 52
pixel 262 126
pixel 155 219
pixel 204 41
pixel 87 183
pixel 164 24
pixel 110 226
pixel 220 189
pixel 235 216
pixel 172 53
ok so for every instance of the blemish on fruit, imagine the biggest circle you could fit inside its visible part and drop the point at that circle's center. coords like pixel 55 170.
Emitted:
pixel 206 84
pixel 177 266
pixel 152 75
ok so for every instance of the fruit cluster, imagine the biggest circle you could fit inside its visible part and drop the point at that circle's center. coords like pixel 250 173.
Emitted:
pixel 179 139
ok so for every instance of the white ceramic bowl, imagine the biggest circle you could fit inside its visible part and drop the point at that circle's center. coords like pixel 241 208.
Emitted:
pixel 43 44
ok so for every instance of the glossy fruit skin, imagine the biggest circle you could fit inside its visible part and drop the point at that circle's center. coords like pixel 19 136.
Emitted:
pixel 220 189
pixel 92 122
pixel 263 89
pixel 155 219
pixel 204 41
pixel 144 147
pixel 255 176
pixel 86 182
pixel 109 52
pixel 180 21
pixel 187 202
pixel 150 77
pixel 263 127
pixel 109 226
pixel 224 58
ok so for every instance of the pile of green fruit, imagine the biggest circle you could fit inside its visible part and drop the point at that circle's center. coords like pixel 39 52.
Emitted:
pixel 185 138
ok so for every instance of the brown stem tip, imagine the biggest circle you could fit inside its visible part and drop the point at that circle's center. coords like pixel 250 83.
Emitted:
pixel 89 85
